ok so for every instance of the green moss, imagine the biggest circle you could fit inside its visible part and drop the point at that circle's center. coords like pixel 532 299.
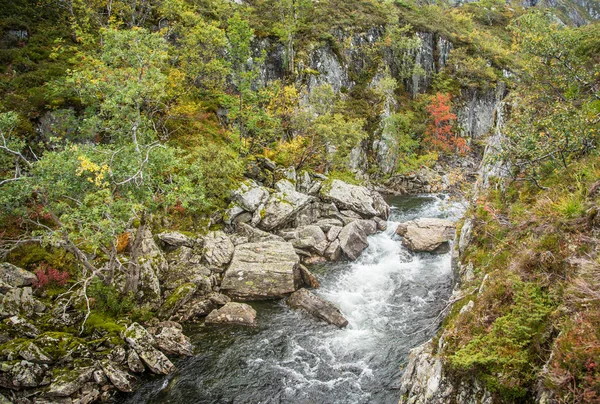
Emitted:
pixel 104 323
pixel 178 294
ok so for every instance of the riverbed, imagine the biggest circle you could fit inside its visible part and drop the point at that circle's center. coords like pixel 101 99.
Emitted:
pixel 391 297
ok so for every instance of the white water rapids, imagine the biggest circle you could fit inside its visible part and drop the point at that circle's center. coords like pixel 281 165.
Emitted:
pixel 391 298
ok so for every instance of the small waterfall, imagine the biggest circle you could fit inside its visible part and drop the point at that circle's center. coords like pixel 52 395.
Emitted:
pixel 391 299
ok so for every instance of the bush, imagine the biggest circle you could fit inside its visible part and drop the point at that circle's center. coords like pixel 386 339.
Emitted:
pixel 107 299
pixel 49 277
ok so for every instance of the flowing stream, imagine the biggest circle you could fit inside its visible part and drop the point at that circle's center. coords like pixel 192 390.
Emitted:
pixel 391 298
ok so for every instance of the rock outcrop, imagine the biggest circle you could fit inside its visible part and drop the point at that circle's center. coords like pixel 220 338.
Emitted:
pixel 356 198
pixel 266 270
pixel 427 234
pixel 317 307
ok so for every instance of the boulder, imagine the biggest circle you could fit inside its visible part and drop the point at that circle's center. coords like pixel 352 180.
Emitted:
pixel 68 382
pixel 232 212
pixel 353 240
pixel 248 234
pixel 20 301
pixel 152 265
pixel 134 363
pixel 16 277
pixel 169 338
pixel 185 267
pixel 218 248
pixel 381 224
pixel 308 238
pixel 174 239
pixel 333 233
pixel 334 251
pixel 25 374
pixel 178 298
pixel 249 196
pixel 356 198
pixel 233 313
pixel 118 376
pixel 281 207
pixel 369 226
pixel 427 234
pixel 327 224
pixel 308 278
pixel 264 270
pixel 140 339
pixel 316 306
pixel 20 327
pixel 201 306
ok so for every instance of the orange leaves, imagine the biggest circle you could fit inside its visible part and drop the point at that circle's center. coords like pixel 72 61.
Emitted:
pixel 440 130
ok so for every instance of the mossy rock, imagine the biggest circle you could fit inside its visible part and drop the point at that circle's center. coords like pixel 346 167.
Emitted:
pixel 178 298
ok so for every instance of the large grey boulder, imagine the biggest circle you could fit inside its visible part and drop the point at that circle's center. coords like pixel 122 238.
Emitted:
pixel 247 234
pixel 249 196
pixel 353 240
pixel 15 276
pixel 427 234
pixel 143 342
pixel 316 306
pixel 218 248
pixel 282 206
pixel 308 238
pixel 233 313
pixel 264 270
pixel 356 198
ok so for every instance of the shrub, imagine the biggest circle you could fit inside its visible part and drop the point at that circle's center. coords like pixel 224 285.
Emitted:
pixel 49 277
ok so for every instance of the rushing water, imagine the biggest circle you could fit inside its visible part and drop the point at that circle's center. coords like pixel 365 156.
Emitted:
pixel 391 298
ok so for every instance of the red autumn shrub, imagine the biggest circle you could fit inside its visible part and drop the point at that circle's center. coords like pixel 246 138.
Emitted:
pixel 440 130
pixel 49 277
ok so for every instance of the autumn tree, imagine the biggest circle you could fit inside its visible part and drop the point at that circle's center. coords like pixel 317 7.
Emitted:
pixel 439 133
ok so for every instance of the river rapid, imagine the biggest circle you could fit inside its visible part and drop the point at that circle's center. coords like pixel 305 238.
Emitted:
pixel 391 297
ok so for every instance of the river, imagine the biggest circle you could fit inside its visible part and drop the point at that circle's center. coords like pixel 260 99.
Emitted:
pixel 391 297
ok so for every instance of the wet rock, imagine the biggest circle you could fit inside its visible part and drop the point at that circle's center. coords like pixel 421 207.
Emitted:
pixel 381 224
pixel 134 363
pixel 118 376
pixel 169 338
pixel 309 238
pixel 264 270
pixel 140 339
pixel 316 306
pixel 356 198
pixel 308 278
pixel 66 383
pixel 281 208
pixel 174 239
pixel 233 313
pixel 353 240
pixel 218 248
pixel 16 277
pixel 427 234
